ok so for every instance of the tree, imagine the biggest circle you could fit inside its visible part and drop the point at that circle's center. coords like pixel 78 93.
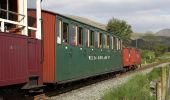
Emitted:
pixel 160 49
pixel 148 56
pixel 120 28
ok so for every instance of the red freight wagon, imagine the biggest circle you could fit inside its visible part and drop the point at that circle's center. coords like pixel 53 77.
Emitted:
pixel 131 57
pixel 20 60
pixel 126 57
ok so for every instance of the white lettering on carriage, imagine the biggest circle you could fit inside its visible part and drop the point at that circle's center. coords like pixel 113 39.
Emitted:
pixel 99 57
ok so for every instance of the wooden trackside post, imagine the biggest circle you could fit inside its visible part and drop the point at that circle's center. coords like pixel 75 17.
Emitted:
pixel 158 91
pixel 167 83
pixel 163 82
pixel 167 87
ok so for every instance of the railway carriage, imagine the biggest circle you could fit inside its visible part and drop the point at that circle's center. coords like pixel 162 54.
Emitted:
pixel 20 55
pixel 75 50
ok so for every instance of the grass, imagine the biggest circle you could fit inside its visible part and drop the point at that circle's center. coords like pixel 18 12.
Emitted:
pixel 138 88
pixel 164 57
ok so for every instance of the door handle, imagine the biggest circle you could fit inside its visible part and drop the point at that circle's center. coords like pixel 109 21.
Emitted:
pixel 84 52
pixel 69 52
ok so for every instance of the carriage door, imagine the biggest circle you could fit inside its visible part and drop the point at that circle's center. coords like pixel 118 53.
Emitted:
pixel 75 57
pixel 62 50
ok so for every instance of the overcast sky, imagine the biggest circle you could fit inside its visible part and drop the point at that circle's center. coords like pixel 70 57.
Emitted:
pixel 143 15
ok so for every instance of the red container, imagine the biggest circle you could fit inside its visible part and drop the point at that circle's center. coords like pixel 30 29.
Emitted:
pixel 126 57
pixel 19 59
pixel 132 56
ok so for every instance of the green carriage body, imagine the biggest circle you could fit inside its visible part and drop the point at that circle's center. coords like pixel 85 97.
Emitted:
pixel 78 62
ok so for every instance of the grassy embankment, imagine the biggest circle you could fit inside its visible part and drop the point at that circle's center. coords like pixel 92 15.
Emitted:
pixel 138 88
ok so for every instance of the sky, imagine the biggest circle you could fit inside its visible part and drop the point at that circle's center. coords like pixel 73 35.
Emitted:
pixel 142 15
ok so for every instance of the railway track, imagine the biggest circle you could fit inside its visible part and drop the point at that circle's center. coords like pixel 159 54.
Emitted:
pixel 85 82
pixel 66 88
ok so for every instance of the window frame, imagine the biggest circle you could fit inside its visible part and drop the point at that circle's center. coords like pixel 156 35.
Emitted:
pixel 105 41
pixel 120 40
pixel 117 43
pixel 68 31
pixel 76 34
pixel 59 31
pixel 91 38
pixel 111 37
pixel 96 38
pixel 86 36
pixel 82 37
pixel 108 41
pixel 100 37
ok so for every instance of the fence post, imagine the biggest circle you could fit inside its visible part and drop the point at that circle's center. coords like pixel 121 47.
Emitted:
pixel 168 82
pixel 158 91
pixel 163 82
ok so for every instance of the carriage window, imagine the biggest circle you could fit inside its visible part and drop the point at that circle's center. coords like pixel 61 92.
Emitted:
pixel 96 39
pixel 117 44
pixel 80 32
pixel 73 35
pixel 111 42
pixel 59 23
pixel 99 40
pixel 86 40
pixel 91 38
pixel 120 44
pixel 104 41
pixel 108 41
pixel 114 43
pixel 65 33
